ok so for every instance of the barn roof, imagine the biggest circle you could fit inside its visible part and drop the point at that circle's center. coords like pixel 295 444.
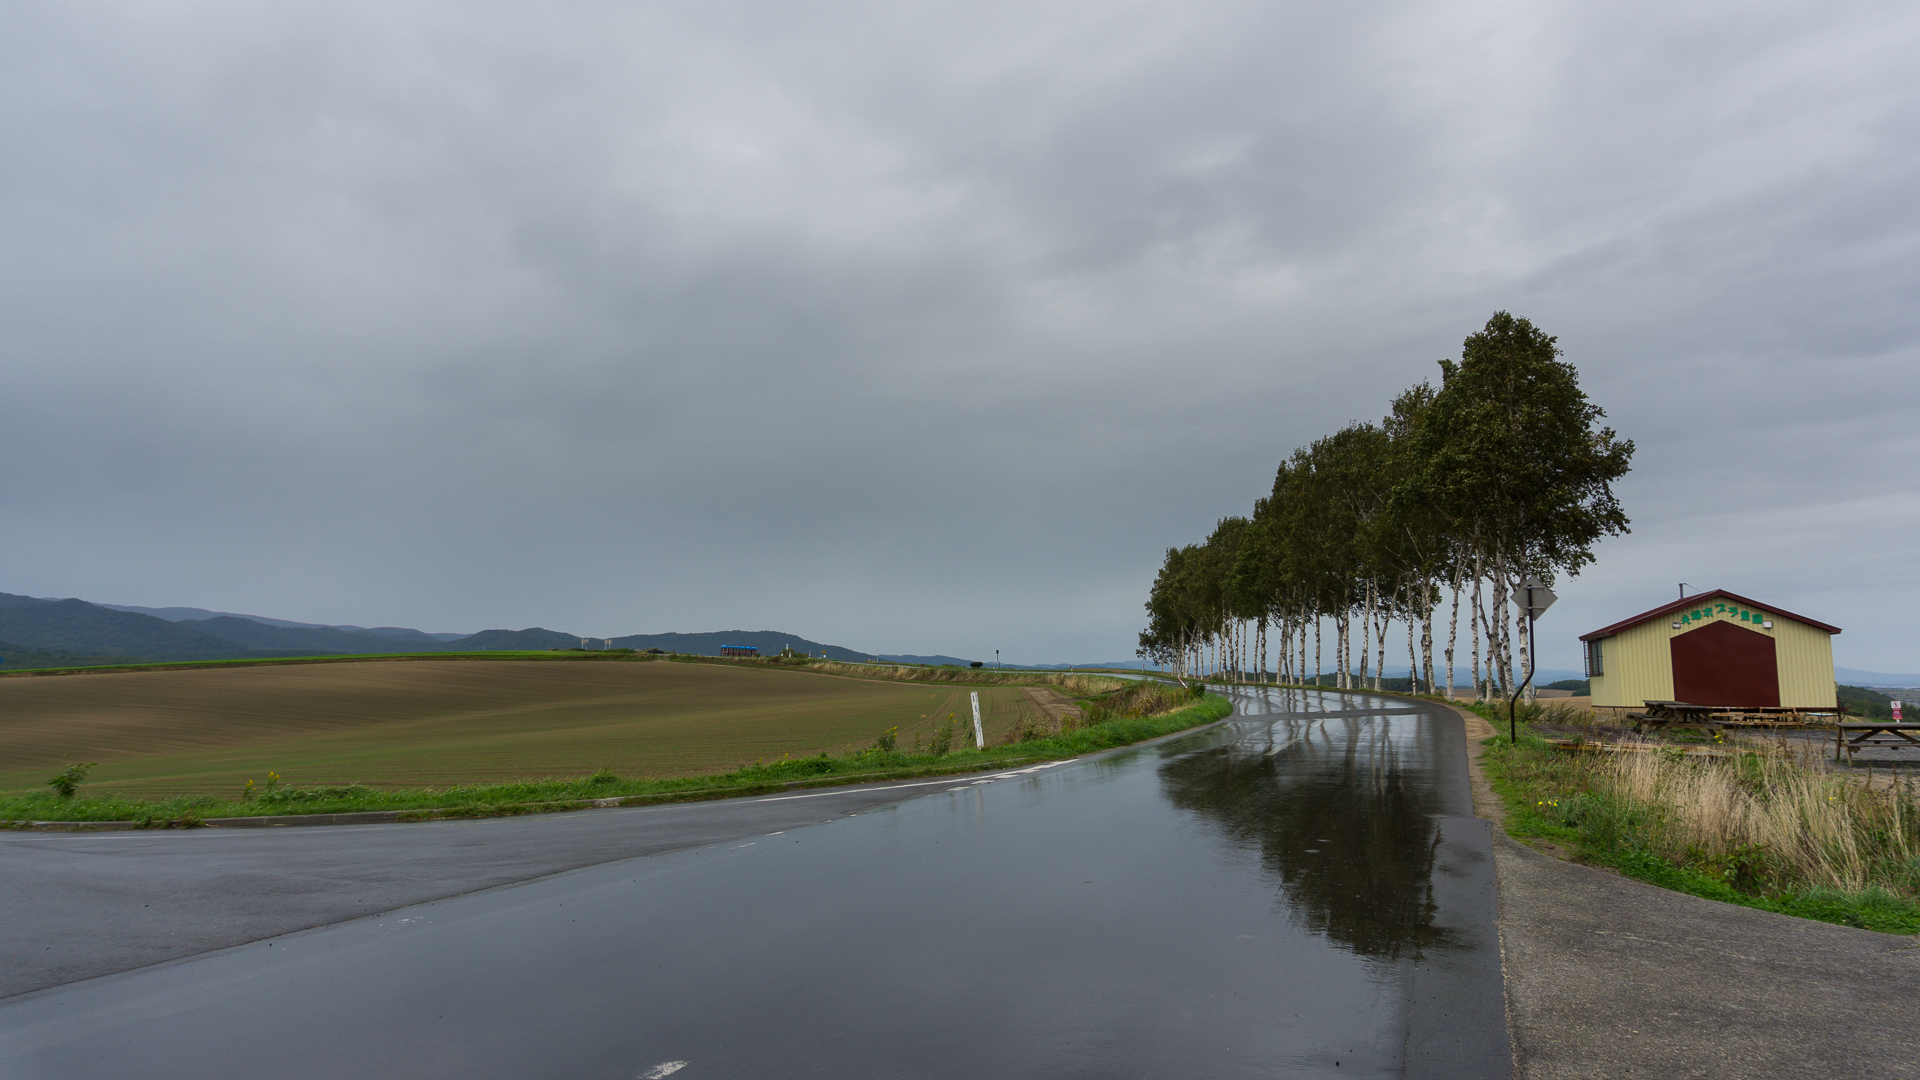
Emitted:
pixel 1695 600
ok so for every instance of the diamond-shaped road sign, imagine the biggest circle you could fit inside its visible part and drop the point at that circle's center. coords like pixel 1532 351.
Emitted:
pixel 1535 597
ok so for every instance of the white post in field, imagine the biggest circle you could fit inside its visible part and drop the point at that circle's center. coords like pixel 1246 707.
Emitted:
pixel 979 736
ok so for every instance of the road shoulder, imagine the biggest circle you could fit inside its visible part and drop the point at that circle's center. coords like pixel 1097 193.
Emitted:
pixel 1608 977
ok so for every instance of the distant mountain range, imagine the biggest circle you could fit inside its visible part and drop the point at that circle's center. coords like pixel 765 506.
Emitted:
pixel 1856 677
pixel 193 614
pixel 37 632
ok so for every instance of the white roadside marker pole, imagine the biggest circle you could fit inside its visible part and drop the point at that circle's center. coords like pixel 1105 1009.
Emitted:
pixel 979 736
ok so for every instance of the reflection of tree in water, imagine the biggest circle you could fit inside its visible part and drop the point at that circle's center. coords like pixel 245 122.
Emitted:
pixel 1350 837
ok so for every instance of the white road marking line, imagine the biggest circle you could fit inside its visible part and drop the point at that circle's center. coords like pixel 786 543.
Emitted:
pixel 896 787
pixel 851 791
pixel 665 1068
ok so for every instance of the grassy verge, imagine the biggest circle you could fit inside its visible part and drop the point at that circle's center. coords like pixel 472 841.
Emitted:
pixel 1132 714
pixel 1759 830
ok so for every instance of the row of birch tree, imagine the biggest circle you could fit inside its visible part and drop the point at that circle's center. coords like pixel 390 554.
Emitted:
pixel 1458 494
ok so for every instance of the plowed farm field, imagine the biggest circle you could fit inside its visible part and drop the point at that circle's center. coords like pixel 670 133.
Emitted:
pixel 433 723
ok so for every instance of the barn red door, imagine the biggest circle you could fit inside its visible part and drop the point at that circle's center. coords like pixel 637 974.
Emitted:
pixel 1723 664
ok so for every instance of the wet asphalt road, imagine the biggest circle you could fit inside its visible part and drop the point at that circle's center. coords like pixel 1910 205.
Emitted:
pixel 1303 892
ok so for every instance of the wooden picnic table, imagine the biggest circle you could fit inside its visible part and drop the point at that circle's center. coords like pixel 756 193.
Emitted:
pixel 1871 733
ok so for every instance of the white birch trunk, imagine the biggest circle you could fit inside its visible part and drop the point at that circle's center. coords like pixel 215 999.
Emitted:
pixel 1502 597
pixel 1487 626
pixel 1413 663
pixel 1366 628
pixel 1346 648
pixel 1427 606
pixel 1453 623
pixel 1476 620
pixel 1343 627
pixel 1381 620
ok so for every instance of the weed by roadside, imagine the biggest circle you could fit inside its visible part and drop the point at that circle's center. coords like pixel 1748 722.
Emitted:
pixel 68 780
pixel 1760 830
pixel 941 741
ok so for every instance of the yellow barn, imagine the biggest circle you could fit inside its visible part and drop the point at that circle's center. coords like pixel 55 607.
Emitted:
pixel 1714 649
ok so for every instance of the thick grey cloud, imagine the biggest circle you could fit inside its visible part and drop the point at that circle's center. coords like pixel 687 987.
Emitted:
pixel 922 327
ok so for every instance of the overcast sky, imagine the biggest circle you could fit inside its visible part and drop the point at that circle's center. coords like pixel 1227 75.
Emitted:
pixel 924 328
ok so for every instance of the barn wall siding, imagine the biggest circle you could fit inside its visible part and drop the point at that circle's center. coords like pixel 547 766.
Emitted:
pixel 1639 667
pixel 1806 665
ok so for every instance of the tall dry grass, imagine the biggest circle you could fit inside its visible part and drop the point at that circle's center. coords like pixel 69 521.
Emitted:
pixel 1557 713
pixel 1812 828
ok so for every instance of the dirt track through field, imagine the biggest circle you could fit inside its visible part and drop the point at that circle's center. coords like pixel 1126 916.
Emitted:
pixel 439 722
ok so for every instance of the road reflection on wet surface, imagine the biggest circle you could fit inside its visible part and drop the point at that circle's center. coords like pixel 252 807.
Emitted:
pixel 1342 811
pixel 1300 891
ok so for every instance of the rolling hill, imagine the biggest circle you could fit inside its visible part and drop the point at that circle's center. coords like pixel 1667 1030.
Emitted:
pixel 308 639
pixel 534 637
pixel 19 657
pixel 65 633
pixel 194 614
pixel 769 642
pixel 78 628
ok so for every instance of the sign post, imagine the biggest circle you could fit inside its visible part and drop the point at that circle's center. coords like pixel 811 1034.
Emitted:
pixel 1896 710
pixel 979 736
pixel 1535 598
